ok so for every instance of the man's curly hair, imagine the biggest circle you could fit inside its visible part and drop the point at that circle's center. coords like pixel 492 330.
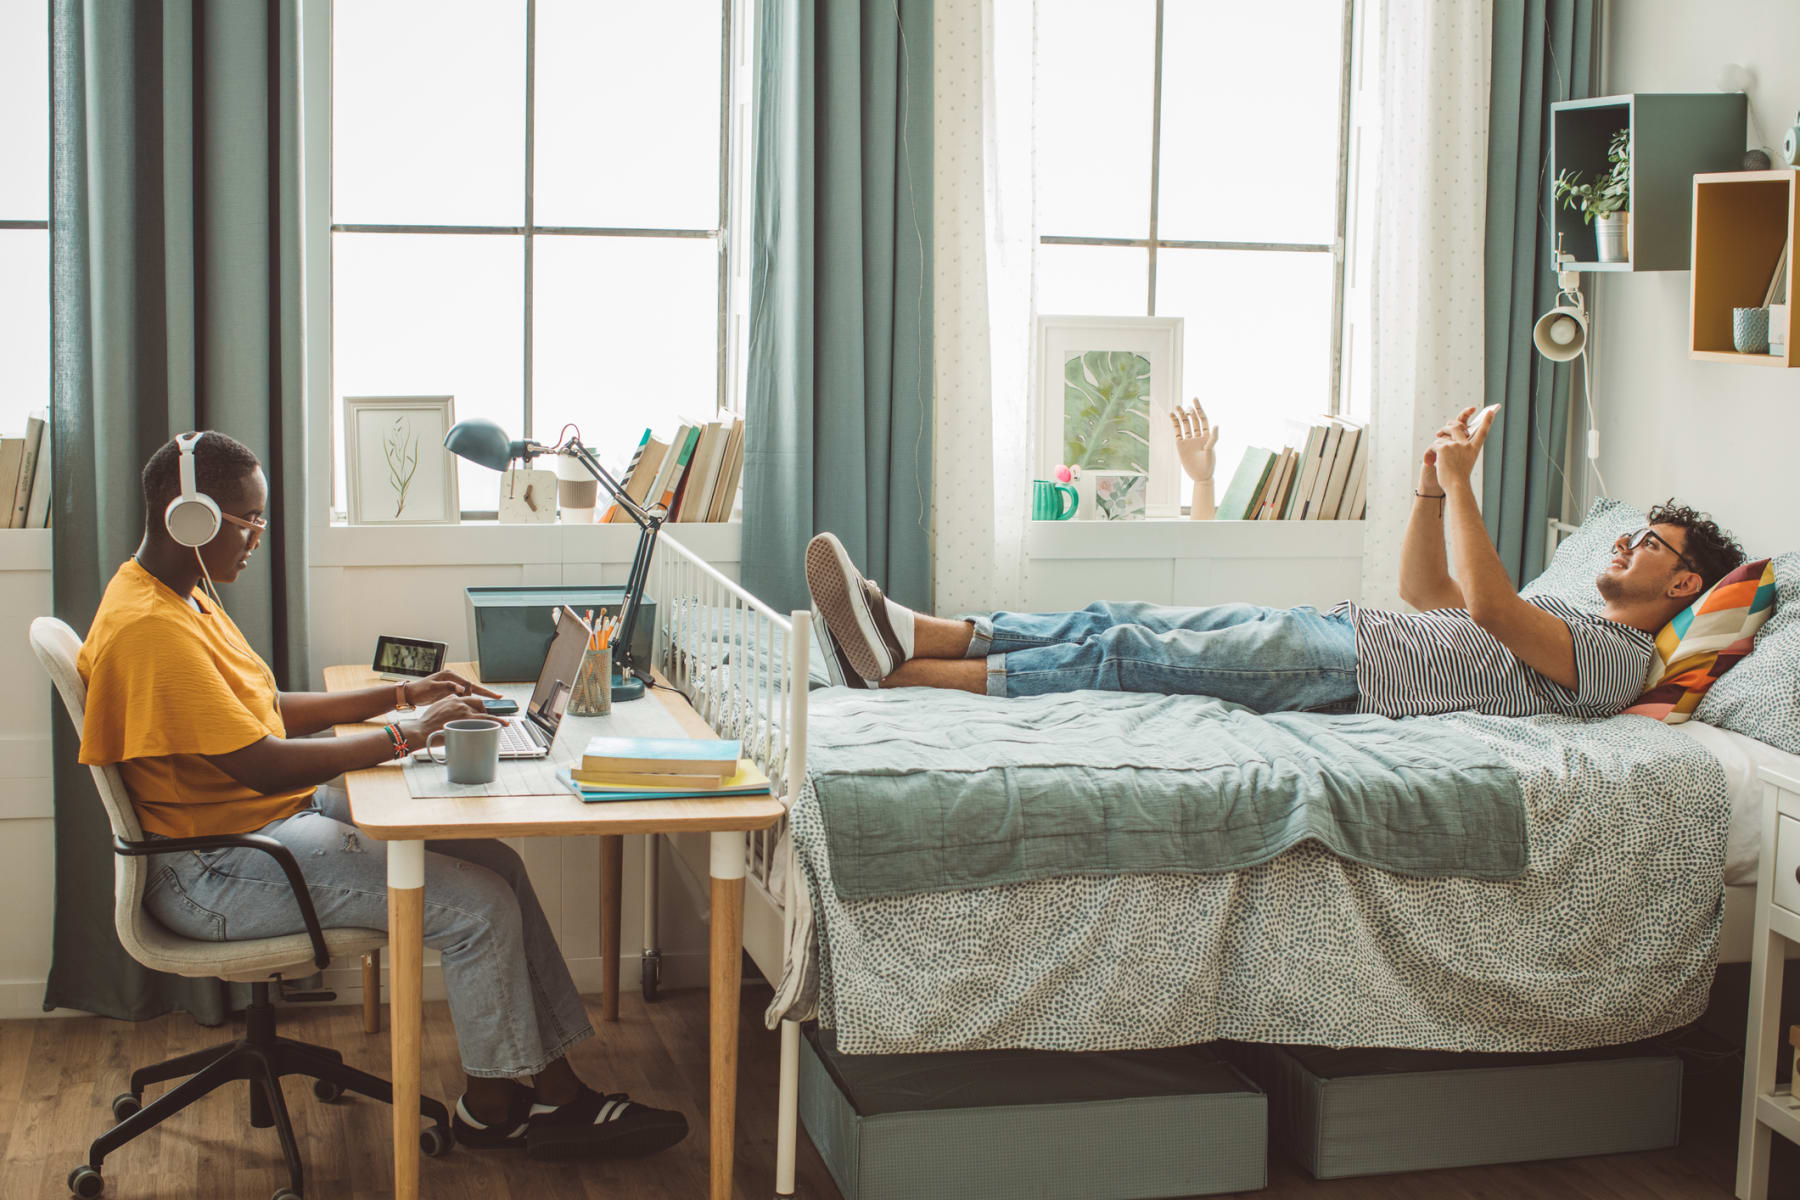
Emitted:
pixel 1713 552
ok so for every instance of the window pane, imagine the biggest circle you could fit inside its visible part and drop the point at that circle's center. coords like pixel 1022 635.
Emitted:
pixel 24 325
pixel 430 315
pixel 626 336
pixel 628 114
pixel 25 99
pixel 1095 85
pixel 428 112
pixel 1257 347
pixel 1225 176
pixel 1104 281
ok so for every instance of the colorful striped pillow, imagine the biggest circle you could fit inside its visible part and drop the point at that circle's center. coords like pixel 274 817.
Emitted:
pixel 1705 640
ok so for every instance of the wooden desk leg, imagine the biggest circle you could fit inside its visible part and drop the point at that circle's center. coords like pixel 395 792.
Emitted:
pixel 612 870
pixel 406 944
pixel 372 992
pixel 727 976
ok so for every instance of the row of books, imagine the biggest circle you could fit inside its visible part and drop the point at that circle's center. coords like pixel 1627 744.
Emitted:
pixel 694 475
pixel 1324 480
pixel 628 768
pixel 25 476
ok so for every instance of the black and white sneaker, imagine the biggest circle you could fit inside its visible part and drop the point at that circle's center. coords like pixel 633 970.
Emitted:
pixel 865 634
pixel 601 1125
pixel 503 1135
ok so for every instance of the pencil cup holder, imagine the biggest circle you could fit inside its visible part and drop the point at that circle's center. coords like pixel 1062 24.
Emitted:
pixel 592 695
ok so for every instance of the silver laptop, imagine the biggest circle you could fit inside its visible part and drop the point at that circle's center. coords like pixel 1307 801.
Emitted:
pixel 532 735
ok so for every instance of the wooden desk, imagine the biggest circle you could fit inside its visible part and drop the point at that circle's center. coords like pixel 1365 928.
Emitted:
pixel 382 807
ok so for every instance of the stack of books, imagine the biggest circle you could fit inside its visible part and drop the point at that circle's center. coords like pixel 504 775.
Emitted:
pixel 694 475
pixel 1325 479
pixel 25 477
pixel 623 768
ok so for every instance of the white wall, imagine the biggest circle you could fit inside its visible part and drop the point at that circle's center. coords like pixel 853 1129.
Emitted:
pixel 26 830
pixel 1720 436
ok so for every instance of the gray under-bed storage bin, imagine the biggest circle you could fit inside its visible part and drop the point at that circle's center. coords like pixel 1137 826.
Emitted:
pixel 988 1125
pixel 1374 1112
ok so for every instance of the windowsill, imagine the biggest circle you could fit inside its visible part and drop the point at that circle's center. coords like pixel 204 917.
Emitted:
pixel 489 543
pixel 24 549
pixel 1182 538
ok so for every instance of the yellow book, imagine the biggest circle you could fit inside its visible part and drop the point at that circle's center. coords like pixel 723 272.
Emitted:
pixel 644 779
pixel 748 779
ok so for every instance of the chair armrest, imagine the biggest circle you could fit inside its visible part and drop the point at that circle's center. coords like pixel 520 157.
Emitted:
pixel 249 841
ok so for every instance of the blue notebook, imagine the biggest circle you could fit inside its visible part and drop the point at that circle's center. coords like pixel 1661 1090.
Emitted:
pixel 747 780
pixel 685 756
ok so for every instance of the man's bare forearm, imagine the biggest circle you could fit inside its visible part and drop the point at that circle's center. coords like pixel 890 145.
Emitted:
pixel 1425 580
pixel 1478 566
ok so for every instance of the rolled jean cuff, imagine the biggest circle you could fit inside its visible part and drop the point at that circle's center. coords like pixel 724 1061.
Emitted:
pixel 512 1073
pixel 996 675
pixel 982 641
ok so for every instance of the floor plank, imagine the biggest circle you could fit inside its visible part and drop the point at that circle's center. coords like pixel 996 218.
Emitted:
pixel 58 1077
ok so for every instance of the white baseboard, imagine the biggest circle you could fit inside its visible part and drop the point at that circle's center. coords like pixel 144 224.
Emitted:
pixel 24 998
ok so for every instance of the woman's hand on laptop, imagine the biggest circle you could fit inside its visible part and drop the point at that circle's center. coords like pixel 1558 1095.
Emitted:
pixel 438 715
pixel 445 683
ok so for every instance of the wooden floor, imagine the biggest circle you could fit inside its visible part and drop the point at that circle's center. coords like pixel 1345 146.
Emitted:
pixel 58 1077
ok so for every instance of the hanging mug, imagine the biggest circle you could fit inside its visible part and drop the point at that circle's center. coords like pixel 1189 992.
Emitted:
pixel 1048 501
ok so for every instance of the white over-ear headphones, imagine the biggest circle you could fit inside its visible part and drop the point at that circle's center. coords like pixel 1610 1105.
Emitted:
pixel 193 517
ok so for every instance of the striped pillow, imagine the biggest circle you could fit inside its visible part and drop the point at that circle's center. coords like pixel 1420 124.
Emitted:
pixel 1705 640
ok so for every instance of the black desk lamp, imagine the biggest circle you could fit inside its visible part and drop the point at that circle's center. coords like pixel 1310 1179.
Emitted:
pixel 484 443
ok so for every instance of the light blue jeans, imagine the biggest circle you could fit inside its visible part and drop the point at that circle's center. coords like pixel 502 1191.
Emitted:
pixel 515 1007
pixel 1268 659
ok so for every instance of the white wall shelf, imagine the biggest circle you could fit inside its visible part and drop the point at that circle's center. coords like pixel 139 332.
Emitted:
pixel 1193 539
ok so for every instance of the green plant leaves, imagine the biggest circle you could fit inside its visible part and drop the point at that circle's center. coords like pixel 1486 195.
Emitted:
pixel 1106 410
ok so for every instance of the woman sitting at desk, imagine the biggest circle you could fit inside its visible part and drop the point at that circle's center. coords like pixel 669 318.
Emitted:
pixel 200 734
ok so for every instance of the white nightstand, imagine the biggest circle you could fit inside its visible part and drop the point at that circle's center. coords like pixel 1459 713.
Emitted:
pixel 1777 923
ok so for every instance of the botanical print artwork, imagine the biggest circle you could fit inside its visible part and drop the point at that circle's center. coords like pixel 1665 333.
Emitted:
pixel 1122 497
pixel 400 446
pixel 1106 410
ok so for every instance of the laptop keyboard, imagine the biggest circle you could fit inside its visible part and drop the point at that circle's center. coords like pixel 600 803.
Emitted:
pixel 515 740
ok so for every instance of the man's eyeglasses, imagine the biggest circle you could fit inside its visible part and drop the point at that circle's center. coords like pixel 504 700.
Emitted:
pixel 253 524
pixel 1646 534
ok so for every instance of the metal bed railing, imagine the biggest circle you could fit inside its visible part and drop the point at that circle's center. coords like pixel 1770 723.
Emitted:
pixel 744 667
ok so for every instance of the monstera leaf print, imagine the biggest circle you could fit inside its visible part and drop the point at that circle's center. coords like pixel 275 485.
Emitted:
pixel 1106 410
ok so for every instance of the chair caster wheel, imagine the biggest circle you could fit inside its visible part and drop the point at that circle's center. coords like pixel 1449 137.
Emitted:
pixel 435 1140
pixel 126 1104
pixel 326 1090
pixel 286 1194
pixel 84 1181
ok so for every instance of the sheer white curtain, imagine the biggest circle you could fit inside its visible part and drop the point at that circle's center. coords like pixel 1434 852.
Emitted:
pixel 1426 297
pixel 984 230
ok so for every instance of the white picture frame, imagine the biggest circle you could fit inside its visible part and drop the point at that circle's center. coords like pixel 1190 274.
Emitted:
pixel 377 428
pixel 1058 339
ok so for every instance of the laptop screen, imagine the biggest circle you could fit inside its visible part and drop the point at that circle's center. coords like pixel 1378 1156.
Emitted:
pixel 561 664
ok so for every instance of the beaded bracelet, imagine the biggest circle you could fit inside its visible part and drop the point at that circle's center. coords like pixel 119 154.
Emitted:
pixel 401 749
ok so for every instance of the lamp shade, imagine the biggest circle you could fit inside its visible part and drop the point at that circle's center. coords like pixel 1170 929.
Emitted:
pixel 1560 334
pixel 483 442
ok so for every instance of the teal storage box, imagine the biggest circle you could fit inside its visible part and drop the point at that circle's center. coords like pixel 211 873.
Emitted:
pixel 510 627
pixel 997 1124
pixel 1375 1112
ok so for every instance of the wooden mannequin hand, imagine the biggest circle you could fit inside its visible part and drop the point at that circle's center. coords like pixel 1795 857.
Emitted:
pixel 1195 438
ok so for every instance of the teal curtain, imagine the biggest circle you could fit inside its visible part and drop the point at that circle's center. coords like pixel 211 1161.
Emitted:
pixel 175 304
pixel 1543 51
pixel 838 414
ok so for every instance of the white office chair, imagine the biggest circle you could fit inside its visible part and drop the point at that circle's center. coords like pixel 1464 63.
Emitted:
pixel 260 1056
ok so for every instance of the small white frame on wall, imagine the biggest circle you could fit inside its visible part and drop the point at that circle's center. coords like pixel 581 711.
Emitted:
pixel 398 470
pixel 1080 359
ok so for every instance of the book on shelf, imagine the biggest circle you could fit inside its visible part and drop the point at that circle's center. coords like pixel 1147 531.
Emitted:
pixel 1246 484
pixel 1334 433
pixel 725 494
pixel 646 460
pixel 680 454
pixel 1360 503
pixel 674 756
pixel 1276 498
pixel 37 513
pixel 21 493
pixel 746 779
pixel 1340 468
pixel 12 456
pixel 703 473
pixel 1355 487
pixel 1305 472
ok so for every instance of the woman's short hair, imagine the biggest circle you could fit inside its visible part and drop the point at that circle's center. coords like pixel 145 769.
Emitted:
pixel 221 464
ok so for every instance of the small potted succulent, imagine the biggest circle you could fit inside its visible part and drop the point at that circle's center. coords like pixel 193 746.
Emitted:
pixel 1603 201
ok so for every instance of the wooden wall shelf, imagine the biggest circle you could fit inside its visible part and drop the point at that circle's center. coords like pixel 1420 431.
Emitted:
pixel 1742 219
pixel 1674 136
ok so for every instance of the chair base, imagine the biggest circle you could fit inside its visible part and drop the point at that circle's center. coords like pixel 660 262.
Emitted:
pixel 261 1057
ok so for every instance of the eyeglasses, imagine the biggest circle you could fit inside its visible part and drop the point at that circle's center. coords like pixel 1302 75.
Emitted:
pixel 253 524
pixel 1646 534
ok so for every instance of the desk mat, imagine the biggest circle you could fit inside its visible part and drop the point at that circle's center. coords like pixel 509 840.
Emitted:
pixel 537 776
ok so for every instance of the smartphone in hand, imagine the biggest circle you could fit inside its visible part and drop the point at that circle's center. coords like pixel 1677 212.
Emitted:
pixel 501 707
pixel 1476 421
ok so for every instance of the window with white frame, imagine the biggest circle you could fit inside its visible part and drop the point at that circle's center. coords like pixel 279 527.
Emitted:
pixel 24 212
pixel 530 208
pixel 1191 162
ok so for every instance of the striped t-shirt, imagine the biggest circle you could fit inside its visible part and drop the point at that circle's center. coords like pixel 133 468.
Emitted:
pixel 1421 664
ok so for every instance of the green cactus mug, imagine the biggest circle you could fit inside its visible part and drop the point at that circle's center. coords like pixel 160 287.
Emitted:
pixel 1048 505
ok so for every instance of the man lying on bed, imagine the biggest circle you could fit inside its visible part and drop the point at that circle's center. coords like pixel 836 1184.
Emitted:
pixel 1477 646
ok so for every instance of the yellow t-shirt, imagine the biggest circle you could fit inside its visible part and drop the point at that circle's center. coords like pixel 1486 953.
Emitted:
pixel 168 684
